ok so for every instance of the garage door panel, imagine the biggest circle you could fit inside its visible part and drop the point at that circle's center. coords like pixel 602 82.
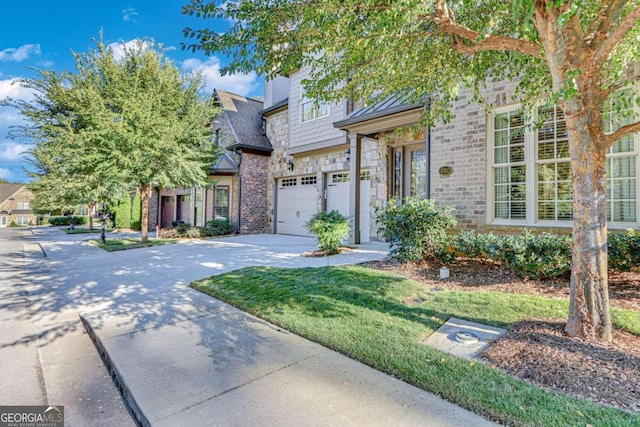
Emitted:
pixel 297 202
pixel 338 199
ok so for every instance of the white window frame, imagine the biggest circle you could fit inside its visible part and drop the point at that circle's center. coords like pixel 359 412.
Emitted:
pixel 531 179
pixel 322 110
pixel 23 205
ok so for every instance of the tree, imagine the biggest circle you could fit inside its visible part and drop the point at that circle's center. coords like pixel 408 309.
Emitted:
pixel 581 50
pixel 122 124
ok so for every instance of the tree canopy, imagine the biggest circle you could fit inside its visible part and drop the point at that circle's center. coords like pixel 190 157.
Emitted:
pixel 117 124
pixel 578 54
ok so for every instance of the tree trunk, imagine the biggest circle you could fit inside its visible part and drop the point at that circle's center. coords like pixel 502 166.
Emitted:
pixel 589 312
pixel 90 212
pixel 145 197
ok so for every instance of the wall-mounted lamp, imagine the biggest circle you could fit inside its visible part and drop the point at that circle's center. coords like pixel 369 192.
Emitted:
pixel 348 153
pixel 290 165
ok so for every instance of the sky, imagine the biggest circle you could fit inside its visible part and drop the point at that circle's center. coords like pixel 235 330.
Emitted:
pixel 43 34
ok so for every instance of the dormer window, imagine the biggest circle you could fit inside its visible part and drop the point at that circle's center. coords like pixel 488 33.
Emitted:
pixel 311 110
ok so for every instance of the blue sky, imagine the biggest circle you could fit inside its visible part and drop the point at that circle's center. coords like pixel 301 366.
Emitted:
pixel 43 34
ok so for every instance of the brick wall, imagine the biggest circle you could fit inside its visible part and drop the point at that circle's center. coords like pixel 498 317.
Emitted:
pixel 253 206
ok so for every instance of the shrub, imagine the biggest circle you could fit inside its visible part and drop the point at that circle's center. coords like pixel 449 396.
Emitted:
pixel 330 229
pixel 218 227
pixel 416 229
pixel 624 250
pixel 123 212
pixel 136 212
pixel 65 220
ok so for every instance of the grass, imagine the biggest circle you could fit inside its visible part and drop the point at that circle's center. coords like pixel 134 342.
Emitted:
pixel 81 230
pixel 360 312
pixel 123 244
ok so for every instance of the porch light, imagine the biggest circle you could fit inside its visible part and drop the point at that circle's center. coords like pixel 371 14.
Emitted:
pixel 290 165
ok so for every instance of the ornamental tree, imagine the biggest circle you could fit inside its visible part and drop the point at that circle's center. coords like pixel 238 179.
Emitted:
pixel 132 122
pixel 574 53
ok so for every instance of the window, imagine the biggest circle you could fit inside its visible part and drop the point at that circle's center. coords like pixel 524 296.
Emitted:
pixel 23 205
pixel 531 170
pixel 22 220
pixel 312 110
pixel 308 180
pixel 289 182
pixel 221 203
pixel 340 177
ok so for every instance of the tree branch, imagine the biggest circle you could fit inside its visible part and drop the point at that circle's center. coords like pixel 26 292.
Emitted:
pixel 615 34
pixel 447 25
pixel 622 132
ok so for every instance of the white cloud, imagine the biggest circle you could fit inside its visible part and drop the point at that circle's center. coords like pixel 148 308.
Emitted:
pixel 19 54
pixel 118 49
pixel 129 14
pixel 241 84
pixel 5 173
pixel 11 151
pixel 11 88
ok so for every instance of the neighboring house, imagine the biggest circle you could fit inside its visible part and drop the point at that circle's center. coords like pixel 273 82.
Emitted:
pixel 498 172
pixel 15 205
pixel 239 189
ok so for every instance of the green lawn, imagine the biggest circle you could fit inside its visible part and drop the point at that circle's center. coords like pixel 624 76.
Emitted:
pixel 81 230
pixel 123 244
pixel 359 312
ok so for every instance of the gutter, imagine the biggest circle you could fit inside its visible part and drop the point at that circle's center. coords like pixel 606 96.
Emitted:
pixel 239 177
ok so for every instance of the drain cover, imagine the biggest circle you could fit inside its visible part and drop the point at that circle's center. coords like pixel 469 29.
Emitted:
pixel 464 337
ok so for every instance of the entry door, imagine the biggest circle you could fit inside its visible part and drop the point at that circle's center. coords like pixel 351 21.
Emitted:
pixel 3 221
pixel 409 177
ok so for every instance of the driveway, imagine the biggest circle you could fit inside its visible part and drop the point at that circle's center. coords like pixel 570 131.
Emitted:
pixel 178 355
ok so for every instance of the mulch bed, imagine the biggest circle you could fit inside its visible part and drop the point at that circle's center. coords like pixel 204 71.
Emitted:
pixel 539 351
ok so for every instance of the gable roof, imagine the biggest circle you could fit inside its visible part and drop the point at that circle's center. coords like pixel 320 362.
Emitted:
pixel 7 190
pixel 244 117
pixel 225 164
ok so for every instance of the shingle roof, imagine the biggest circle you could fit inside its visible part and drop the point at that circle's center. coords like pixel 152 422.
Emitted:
pixel 6 190
pixel 245 119
pixel 390 105
pixel 225 164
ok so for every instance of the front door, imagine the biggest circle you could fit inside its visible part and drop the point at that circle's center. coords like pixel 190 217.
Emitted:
pixel 3 220
pixel 409 175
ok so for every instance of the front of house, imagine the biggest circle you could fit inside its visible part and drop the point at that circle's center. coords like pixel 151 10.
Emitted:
pixel 15 205
pixel 498 171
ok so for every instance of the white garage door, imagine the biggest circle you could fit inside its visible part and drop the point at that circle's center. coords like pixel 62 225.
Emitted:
pixel 297 202
pixel 338 198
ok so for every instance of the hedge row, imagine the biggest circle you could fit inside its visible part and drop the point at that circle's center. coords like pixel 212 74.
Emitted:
pixel 66 220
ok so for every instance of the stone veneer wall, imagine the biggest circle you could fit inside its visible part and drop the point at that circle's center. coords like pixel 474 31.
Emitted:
pixel 319 164
pixel 253 209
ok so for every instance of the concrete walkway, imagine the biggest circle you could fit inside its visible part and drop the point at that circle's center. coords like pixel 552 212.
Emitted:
pixel 183 358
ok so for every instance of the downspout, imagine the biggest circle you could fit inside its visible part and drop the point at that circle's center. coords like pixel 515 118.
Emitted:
pixel 239 178
pixel 428 153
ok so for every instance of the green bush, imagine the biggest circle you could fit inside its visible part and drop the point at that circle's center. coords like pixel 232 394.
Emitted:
pixel 624 250
pixel 531 255
pixel 330 229
pixel 123 212
pixel 416 229
pixel 65 220
pixel 136 212
pixel 218 227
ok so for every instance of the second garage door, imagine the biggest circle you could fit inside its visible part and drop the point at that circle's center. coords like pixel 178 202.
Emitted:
pixel 297 202
pixel 338 198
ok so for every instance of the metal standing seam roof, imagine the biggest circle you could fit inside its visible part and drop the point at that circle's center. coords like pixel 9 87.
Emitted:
pixel 392 104
pixel 245 118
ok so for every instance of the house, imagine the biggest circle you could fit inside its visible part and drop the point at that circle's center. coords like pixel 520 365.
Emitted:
pixel 498 172
pixel 239 177
pixel 15 205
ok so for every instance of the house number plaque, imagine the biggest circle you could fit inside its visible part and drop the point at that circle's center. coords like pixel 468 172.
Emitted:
pixel 446 170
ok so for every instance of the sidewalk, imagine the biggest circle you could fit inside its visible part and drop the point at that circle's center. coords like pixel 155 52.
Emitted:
pixel 183 358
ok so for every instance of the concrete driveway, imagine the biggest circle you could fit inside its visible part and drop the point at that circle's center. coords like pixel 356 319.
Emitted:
pixel 180 357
